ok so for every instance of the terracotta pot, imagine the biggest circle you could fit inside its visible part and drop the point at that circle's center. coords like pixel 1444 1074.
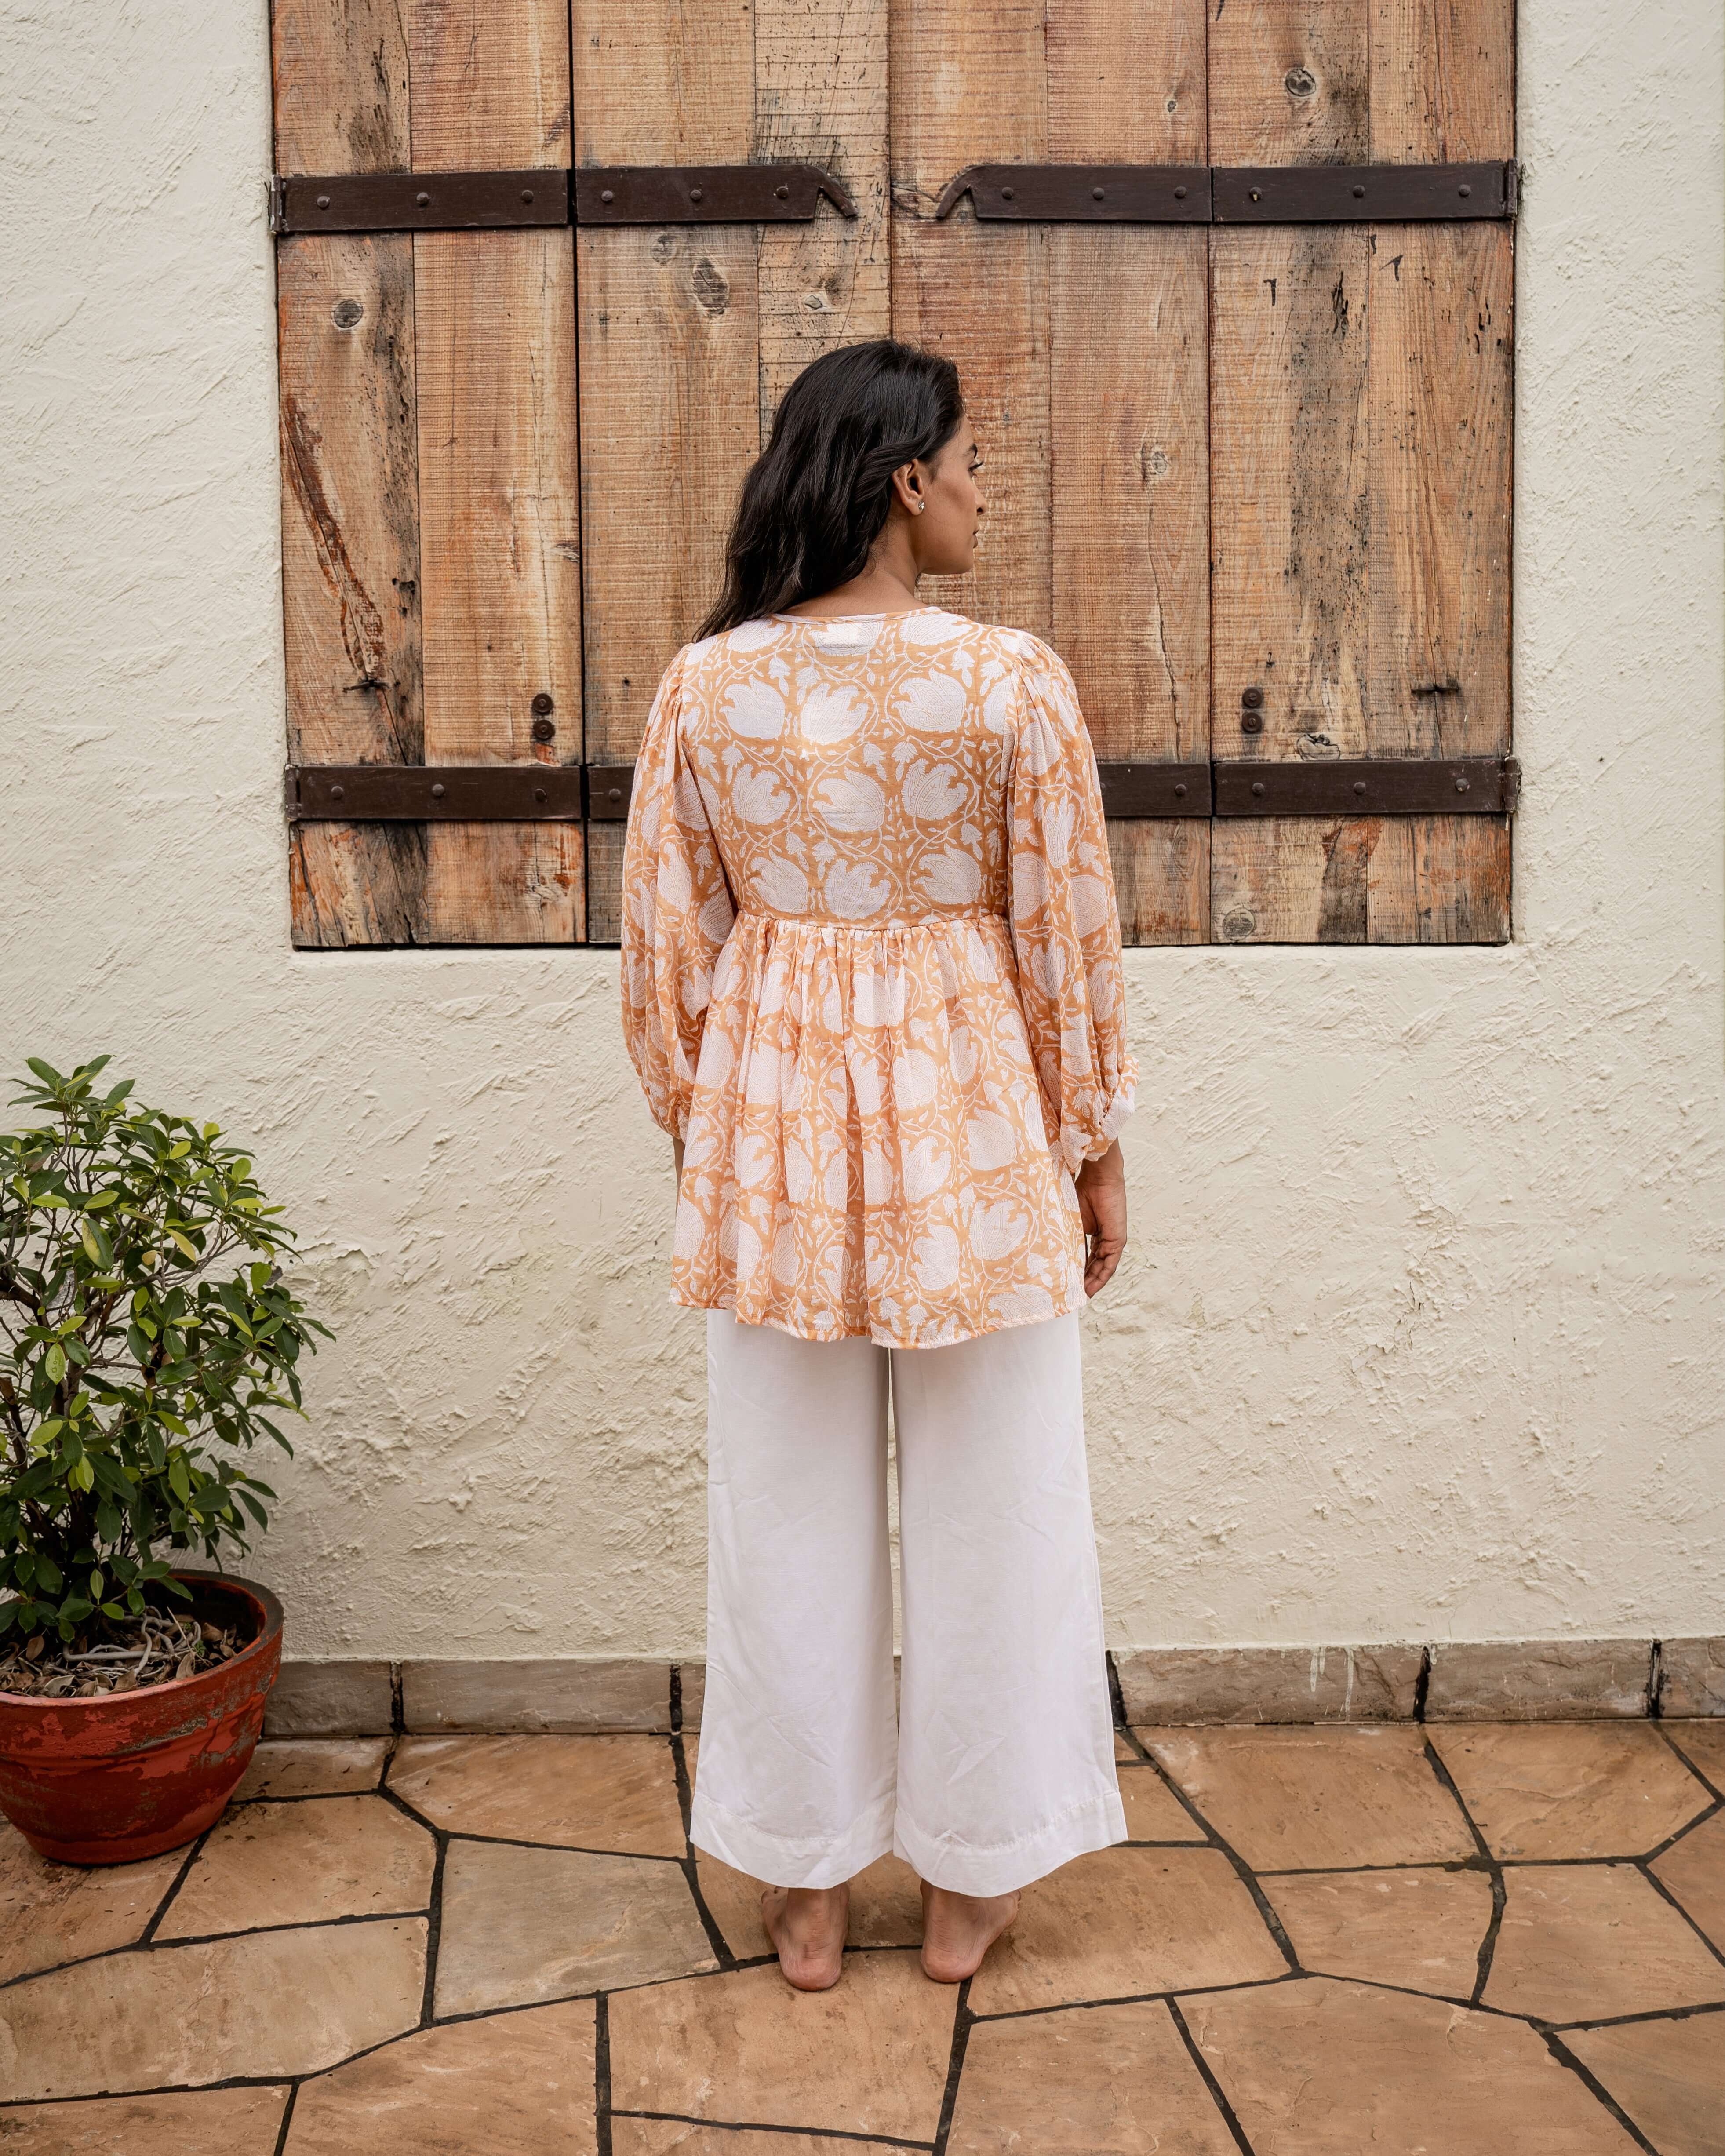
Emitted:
pixel 109 1781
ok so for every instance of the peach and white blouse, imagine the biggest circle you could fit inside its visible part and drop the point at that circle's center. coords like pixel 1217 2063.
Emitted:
pixel 871 973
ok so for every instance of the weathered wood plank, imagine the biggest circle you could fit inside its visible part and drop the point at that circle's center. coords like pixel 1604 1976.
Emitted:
pixel 821 96
pixel 969 82
pixel 490 84
pixel 350 568
pixel 1162 878
pixel 350 509
pixel 1129 479
pixel 341 79
pixel 1360 420
pixel 1442 81
pixel 1291 487
pixel 499 490
pixel 1439 395
pixel 1289 85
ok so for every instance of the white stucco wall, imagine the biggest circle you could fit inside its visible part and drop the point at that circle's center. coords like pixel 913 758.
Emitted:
pixel 1421 1333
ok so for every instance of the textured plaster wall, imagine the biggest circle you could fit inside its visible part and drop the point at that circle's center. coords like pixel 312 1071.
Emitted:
pixel 1421 1334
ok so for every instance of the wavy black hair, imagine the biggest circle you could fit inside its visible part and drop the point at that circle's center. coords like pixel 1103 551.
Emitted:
pixel 817 497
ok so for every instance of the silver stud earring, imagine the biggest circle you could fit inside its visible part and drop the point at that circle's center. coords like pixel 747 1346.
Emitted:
pixel 920 507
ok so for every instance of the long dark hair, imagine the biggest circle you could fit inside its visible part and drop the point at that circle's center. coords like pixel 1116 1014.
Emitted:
pixel 816 499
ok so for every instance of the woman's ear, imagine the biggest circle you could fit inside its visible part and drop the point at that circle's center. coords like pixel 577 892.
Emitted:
pixel 908 486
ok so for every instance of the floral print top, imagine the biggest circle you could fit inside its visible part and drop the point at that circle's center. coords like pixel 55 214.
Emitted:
pixel 871 973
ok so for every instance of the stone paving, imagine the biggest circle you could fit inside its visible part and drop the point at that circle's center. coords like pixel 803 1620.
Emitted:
pixel 1463 1938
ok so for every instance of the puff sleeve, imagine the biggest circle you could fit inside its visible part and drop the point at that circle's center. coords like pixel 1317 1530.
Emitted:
pixel 677 912
pixel 1066 925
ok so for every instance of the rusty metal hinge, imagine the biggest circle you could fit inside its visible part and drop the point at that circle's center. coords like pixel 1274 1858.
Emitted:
pixel 599 792
pixel 608 194
pixel 1374 786
pixel 429 792
pixel 1225 194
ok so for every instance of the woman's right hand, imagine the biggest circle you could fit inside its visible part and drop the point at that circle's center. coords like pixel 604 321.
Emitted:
pixel 1101 1185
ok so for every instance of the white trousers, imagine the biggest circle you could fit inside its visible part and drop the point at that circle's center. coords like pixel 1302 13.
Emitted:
pixel 999 1764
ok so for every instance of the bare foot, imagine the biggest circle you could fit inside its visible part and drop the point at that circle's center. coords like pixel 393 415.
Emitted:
pixel 958 1929
pixel 807 1924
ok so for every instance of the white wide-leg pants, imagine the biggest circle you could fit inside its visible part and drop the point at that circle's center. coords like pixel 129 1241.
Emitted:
pixel 999 1764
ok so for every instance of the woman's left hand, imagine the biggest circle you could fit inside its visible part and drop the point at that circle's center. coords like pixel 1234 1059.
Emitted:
pixel 1101 1206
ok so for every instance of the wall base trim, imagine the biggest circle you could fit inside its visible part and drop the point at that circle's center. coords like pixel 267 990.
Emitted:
pixel 1450 1680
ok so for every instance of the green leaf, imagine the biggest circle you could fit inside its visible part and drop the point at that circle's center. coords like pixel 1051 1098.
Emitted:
pixel 179 1481
pixel 83 1474
pixel 55 1363
pixel 187 1248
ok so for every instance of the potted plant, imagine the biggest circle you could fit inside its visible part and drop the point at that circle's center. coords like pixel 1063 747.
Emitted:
pixel 152 1344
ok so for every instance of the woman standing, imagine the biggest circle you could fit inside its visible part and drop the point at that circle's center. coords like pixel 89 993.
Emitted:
pixel 871 984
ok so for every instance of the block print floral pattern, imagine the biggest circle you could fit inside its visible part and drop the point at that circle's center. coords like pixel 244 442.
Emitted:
pixel 871 973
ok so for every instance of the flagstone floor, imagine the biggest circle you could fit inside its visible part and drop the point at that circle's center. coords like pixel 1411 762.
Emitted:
pixel 1469 1940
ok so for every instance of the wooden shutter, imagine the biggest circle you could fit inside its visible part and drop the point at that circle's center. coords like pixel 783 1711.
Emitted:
pixel 1252 479
pixel 1360 484
pixel 431 539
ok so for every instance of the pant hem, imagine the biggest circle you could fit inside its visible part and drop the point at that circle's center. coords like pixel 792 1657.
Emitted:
pixel 946 1862
pixel 784 1861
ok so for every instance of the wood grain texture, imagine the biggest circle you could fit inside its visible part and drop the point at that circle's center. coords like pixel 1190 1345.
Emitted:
pixel 349 501
pixel 969 83
pixel 821 97
pixel 501 553
pixel 1440 391
pixel 1442 81
pixel 1360 413
pixel 490 84
pixel 340 69
pixel 499 485
pixel 1128 424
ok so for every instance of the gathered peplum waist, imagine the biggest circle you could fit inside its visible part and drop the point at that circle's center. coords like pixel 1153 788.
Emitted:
pixel 751 912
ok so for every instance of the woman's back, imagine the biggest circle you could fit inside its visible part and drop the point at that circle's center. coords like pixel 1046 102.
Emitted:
pixel 871 968
pixel 856 769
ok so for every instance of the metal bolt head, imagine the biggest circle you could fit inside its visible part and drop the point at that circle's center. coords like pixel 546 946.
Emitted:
pixel 1251 722
pixel 1461 786
pixel 338 793
pixel 614 794
pixel 1464 191
pixel 1359 194
pixel 606 195
pixel 545 730
pixel 424 200
pixel 1359 786
pixel 1006 194
pixel 539 793
pixel 542 703
pixel 1179 789
pixel 526 194
pixel 323 202
pixel 1299 82
pixel 1255 194
pixel 1179 194
pixel 437 791
pixel 1258 789
pixel 1096 194
pixel 781 192
pixel 695 194
pixel 1252 698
